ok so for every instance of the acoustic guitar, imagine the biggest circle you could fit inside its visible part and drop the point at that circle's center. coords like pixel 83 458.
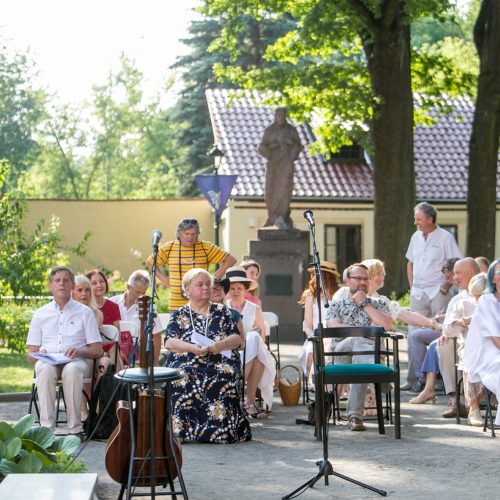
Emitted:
pixel 119 445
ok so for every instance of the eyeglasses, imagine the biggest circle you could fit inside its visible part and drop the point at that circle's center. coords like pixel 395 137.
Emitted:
pixel 446 269
pixel 359 278
pixel 188 221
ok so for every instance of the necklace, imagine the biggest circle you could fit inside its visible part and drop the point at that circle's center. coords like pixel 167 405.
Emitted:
pixel 207 319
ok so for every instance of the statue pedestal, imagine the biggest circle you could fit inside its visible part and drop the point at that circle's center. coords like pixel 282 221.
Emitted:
pixel 284 257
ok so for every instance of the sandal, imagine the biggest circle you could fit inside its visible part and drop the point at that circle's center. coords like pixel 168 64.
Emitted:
pixel 254 412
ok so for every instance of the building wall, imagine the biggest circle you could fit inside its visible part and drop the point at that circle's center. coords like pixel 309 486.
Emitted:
pixel 121 230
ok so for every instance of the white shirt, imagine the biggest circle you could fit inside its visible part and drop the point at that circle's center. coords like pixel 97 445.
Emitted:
pixel 132 313
pixel 428 257
pixel 453 312
pixel 56 330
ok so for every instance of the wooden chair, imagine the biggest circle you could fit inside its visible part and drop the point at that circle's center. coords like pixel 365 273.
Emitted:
pixel 378 372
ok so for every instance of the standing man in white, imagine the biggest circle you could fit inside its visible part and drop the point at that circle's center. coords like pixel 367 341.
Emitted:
pixel 63 326
pixel 430 247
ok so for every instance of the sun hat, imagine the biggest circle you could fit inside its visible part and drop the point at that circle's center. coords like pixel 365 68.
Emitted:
pixel 326 267
pixel 239 275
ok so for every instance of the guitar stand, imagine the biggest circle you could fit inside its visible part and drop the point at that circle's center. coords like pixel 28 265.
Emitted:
pixel 135 376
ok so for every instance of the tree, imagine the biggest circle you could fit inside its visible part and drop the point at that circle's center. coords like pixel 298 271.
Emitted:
pixel 194 133
pixel 348 62
pixel 484 142
pixel 119 145
pixel 21 110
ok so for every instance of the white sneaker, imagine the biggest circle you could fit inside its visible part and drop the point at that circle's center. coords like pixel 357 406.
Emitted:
pixel 474 418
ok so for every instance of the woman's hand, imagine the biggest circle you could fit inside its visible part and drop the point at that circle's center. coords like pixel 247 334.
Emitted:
pixel 216 348
pixel 200 350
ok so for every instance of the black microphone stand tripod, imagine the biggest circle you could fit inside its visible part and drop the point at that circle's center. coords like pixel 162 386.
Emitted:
pixel 325 466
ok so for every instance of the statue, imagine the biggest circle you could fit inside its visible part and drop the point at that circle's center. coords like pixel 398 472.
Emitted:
pixel 281 146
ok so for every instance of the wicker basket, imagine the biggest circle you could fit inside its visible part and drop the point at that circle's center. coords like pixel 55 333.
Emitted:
pixel 290 393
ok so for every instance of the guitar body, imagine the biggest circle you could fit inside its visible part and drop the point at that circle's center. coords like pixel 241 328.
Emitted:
pixel 119 444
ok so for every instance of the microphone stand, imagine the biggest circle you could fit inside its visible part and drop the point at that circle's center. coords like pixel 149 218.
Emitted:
pixel 321 430
pixel 151 374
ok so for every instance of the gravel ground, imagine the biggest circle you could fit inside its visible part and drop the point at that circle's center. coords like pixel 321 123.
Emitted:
pixel 436 458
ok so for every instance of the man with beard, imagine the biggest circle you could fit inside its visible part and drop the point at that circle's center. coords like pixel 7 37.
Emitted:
pixel 357 309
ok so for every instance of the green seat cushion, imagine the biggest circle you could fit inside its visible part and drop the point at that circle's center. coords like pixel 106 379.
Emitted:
pixel 357 369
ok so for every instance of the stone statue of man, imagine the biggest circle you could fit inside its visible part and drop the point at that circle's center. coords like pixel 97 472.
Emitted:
pixel 281 146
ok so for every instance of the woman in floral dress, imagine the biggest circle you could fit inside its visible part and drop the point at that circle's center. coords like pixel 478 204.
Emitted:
pixel 203 341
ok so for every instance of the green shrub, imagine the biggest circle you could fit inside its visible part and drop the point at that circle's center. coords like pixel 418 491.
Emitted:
pixel 28 449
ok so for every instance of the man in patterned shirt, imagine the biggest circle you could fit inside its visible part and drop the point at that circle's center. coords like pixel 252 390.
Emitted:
pixel 357 310
pixel 185 253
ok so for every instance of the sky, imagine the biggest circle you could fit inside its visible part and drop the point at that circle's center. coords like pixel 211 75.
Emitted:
pixel 76 43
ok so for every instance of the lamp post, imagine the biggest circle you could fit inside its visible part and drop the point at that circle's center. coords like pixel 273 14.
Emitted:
pixel 216 154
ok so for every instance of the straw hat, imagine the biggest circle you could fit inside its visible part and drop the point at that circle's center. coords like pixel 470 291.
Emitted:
pixel 239 275
pixel 326 267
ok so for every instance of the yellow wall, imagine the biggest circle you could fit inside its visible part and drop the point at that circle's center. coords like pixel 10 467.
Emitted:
pixel 121 230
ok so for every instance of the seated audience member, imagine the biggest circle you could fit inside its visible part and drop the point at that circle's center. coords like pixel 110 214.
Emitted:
pixel 252 268
pixel 464 270
pixel 481 359
pixel 419 339
pixel 206 402
pixel 82 292
pixel 311 315
pixel 220 289
pixel 67 327
pixel 260 370
pixel 358 309
pixel 484 264
pixel 110 311
pixel 137 286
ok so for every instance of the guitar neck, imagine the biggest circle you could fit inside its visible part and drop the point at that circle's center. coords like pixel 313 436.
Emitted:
pixel 143 303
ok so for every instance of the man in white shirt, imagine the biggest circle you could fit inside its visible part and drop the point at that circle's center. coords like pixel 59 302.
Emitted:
pixel 137 286
pixel 430 247
pixel 67 327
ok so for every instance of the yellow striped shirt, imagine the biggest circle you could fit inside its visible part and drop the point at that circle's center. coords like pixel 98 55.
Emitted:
pixel 181 259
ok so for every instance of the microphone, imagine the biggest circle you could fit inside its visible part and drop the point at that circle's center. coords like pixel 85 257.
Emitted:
pixel 308 215
pixel 156 237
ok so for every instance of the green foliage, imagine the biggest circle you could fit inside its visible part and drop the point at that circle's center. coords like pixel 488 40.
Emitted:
pixel 319 69
pixel 21 110
pixel 119 146
pixel 25 448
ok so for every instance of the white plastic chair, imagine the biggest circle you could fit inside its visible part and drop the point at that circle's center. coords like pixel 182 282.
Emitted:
pixel 164 320
pixel 271 320
pixel 109 334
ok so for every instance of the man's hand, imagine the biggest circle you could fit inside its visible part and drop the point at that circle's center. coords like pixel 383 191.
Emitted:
pixel 359 297
pixel 72 352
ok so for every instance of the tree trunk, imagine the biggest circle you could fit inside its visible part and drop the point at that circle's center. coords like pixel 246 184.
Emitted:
pixel 388 55
pixel 484 142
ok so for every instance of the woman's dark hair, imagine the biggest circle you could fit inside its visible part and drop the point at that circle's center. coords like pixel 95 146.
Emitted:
pixel 91 273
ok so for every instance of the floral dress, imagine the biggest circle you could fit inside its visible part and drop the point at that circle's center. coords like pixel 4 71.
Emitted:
pixel 206 401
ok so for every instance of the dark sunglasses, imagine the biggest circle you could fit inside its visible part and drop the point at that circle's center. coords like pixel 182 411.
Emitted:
pixel 189 221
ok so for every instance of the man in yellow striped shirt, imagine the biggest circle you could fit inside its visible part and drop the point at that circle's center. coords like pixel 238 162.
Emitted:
pixel 185 253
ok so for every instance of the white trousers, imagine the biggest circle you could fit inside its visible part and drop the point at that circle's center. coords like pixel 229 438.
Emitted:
pixel 72 375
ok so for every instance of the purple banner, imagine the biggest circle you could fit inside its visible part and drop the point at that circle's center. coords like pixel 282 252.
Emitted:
pixel 216 189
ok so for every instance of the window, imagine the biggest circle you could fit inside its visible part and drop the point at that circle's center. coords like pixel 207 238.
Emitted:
pixel 343 245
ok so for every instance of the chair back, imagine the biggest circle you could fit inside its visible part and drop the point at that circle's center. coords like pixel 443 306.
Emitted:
pixel 109 334
pixel 164 320
pixel 271 318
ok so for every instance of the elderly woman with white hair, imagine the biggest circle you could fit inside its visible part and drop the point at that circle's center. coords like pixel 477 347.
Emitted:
pixel 203 340
pixel 481 357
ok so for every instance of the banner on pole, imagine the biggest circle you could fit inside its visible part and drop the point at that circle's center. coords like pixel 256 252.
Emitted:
pixel 216 189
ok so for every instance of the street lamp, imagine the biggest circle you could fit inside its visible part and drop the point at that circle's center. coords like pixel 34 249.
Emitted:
pixel 216 154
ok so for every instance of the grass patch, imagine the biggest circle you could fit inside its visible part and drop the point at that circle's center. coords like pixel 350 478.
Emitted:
pixel 17 373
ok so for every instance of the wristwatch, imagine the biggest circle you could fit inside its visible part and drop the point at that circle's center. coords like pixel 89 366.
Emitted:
pixel 363 304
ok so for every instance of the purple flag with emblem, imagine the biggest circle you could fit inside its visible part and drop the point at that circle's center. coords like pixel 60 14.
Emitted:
pixel 216 189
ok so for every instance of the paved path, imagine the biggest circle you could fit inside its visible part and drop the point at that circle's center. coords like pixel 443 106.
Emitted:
pixel 435 459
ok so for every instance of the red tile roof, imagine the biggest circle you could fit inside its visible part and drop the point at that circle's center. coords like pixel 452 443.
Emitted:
pixel 441 152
